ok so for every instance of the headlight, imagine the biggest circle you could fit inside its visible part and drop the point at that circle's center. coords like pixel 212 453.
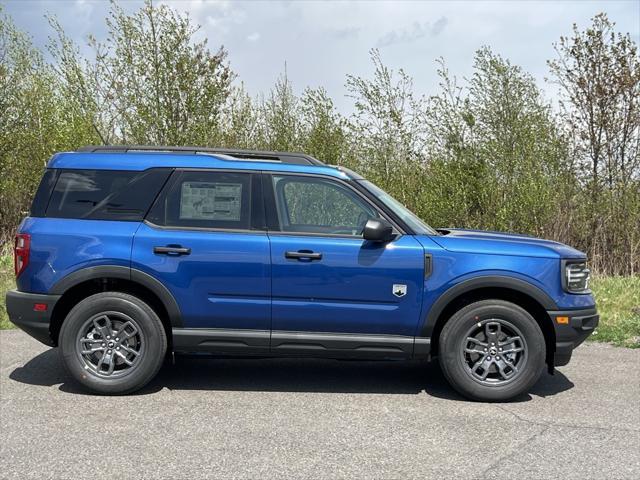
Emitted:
pixel 576 276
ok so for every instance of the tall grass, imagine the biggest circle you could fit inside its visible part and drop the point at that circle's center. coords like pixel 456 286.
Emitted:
pixel 6 283
pixel 618 300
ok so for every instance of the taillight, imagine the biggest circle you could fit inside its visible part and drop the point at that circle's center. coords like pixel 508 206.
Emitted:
pixel 21 252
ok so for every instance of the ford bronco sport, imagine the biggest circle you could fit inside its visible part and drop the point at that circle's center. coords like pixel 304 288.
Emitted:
pixel 131 253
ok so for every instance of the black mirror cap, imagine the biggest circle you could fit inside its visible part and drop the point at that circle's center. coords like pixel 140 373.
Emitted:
pixel 378 230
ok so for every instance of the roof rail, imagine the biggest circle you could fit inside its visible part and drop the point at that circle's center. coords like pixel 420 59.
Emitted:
pixel 230 153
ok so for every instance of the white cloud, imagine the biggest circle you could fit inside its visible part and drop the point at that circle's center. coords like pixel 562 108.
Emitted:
pixel 254 37
pixel 221 15
pixel 416 32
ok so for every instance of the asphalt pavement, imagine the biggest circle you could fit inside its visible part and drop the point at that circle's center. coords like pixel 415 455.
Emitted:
pixel 291 418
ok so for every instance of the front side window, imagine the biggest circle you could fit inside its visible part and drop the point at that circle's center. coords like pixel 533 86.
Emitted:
pixel 217 200
pixel 319 206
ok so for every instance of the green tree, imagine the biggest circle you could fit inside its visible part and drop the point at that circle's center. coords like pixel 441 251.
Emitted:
pixel 324 135
pixel 519 142
pixel 35 121
pixel 280 117
pixel 387 130
pixel 496 156
pixel 151 81
pixel 240 128
pixel 598 72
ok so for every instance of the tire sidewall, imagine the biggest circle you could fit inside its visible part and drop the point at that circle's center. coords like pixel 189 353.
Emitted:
pixel 151 329
pixel 453 338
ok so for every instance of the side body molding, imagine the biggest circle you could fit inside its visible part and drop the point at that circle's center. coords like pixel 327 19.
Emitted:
pixel 125 273
pixel 485 281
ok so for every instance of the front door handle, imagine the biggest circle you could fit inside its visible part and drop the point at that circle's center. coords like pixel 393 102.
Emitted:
pixel 172 250
pixel 303 255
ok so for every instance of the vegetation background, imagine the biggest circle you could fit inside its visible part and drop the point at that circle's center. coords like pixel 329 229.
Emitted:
pixel 487 152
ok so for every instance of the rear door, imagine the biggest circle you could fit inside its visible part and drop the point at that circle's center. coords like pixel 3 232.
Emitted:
pixel 204 240
pixel 326 279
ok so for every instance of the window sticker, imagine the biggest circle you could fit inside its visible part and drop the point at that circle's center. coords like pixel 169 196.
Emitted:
pixel 210 201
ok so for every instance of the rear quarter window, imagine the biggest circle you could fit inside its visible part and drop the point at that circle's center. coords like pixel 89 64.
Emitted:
pixel 105 194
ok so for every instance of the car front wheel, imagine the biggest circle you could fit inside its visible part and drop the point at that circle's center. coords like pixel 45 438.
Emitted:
pixel 492 350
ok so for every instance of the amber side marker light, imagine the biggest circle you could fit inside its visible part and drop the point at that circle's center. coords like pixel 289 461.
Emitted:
pixel 562 320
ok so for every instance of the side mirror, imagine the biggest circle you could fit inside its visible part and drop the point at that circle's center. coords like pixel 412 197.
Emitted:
pixel 378 230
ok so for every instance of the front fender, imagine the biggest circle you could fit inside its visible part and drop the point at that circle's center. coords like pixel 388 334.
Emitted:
pixel 483 281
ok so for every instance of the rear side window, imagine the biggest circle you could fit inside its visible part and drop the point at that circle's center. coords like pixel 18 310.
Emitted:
pixel 105 194
pixel 205 199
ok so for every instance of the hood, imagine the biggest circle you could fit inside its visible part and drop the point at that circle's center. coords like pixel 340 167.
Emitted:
pixel 498 243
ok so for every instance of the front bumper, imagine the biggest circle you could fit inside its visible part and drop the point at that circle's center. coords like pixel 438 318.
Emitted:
pixel 572 327
pixel 23 313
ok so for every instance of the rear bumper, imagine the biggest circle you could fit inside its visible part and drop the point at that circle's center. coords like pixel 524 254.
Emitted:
pixel 581 324
pixel 20 307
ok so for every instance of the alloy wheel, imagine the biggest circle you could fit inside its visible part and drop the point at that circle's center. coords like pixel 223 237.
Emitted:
pixel 494 352
pixel 110 344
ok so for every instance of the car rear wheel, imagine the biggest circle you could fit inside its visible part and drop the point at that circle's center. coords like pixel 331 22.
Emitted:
pixel 492 350
pixel 112 343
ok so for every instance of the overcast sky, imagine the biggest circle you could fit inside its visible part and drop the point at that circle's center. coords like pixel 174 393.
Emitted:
pixel 323 41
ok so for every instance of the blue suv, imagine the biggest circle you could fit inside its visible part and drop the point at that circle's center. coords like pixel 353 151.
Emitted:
pixel 131 253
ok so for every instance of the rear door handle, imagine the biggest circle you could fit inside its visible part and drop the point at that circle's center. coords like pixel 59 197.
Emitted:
pixel 172 250
pixel 303 255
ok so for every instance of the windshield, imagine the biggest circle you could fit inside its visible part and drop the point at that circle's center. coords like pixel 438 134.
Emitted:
pixel 410 218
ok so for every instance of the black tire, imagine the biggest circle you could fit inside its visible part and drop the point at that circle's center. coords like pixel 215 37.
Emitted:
pixel 149 340
pixel 471 330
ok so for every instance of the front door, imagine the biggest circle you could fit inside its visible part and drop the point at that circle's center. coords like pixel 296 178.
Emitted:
pixel 331 289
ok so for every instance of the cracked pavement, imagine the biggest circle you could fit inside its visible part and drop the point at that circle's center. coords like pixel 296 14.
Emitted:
pixel 282 418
